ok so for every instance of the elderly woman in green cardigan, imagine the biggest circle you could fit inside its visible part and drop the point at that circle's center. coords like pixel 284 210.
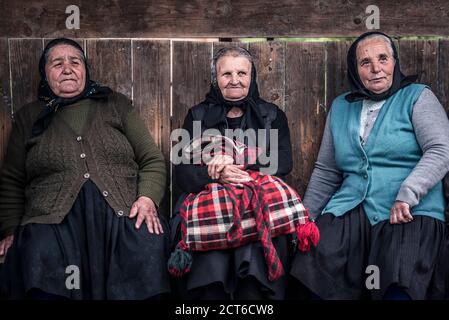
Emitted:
pixel 376 188
pixel 81 178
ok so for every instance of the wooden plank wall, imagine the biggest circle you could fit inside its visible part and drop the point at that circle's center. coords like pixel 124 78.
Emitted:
pixel 220 18
pixel 165 78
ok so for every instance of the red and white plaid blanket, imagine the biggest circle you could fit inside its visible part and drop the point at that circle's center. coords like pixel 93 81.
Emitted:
pixel 226 216
pixel 229 216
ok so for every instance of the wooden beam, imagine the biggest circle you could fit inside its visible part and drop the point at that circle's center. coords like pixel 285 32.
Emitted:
pixel 221 18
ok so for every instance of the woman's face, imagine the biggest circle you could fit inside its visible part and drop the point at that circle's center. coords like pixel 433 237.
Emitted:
pixel 375 65
pixel 233 77
pixel 65 71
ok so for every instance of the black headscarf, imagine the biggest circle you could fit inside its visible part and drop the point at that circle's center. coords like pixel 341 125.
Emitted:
pixel 92 89
pixel 358 90
pixel 216 114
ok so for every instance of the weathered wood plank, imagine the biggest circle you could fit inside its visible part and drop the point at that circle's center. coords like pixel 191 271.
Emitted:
pixel 151 77
pixel 304 93
pixel 151 69
pixel 191 81
pixel 191 77
pixel 336 75
pixel 110 62
pixel 24 62
pixel 5 98
pixel 221 18
pixel 443 75
pixel 269 58
pixel 420 57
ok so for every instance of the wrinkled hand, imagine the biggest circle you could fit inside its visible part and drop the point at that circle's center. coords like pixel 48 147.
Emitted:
pixel 217 164
pixel 5 244
pixel 234 174
pixel 400 213
pixel 145 209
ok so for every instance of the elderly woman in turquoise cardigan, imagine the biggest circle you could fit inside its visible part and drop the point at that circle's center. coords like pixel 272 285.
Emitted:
pixel 376 189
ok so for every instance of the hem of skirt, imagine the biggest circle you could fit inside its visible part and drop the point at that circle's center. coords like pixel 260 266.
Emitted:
pixel 437 294
pixel 19 292
pixel 66 294
pixel 332 291
pixel 353 294
pixel 147 295
pixel 229 290
pixel 416 292
pixel 265 282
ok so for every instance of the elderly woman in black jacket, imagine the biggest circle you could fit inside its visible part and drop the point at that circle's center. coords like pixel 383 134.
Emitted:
pixel 233 102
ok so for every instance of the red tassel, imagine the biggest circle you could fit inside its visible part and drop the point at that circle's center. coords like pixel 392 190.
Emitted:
pixel 308 234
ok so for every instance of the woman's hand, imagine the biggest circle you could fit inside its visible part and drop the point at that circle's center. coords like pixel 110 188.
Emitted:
pixel 145 209
pixel 400 213
pixel 5 244
pixel 234 174
pixel 217 164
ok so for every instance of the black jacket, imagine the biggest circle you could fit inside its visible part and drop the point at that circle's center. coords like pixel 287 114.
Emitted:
pixel 193 178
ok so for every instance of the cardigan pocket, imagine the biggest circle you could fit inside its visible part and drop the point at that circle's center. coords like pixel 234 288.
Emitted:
pixel 42 199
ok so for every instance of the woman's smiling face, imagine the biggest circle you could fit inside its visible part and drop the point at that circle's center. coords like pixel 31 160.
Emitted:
pixel 375 65
pixel 233 77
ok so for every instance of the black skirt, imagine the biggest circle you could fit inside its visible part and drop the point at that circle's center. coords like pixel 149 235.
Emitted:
pixel 240 273
pixel 441 276
pixel 406 256
pixel 114 259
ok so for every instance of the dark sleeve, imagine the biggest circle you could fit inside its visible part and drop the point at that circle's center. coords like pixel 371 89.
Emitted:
pixel 282 153
pixel 191 178
pixel 12 183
